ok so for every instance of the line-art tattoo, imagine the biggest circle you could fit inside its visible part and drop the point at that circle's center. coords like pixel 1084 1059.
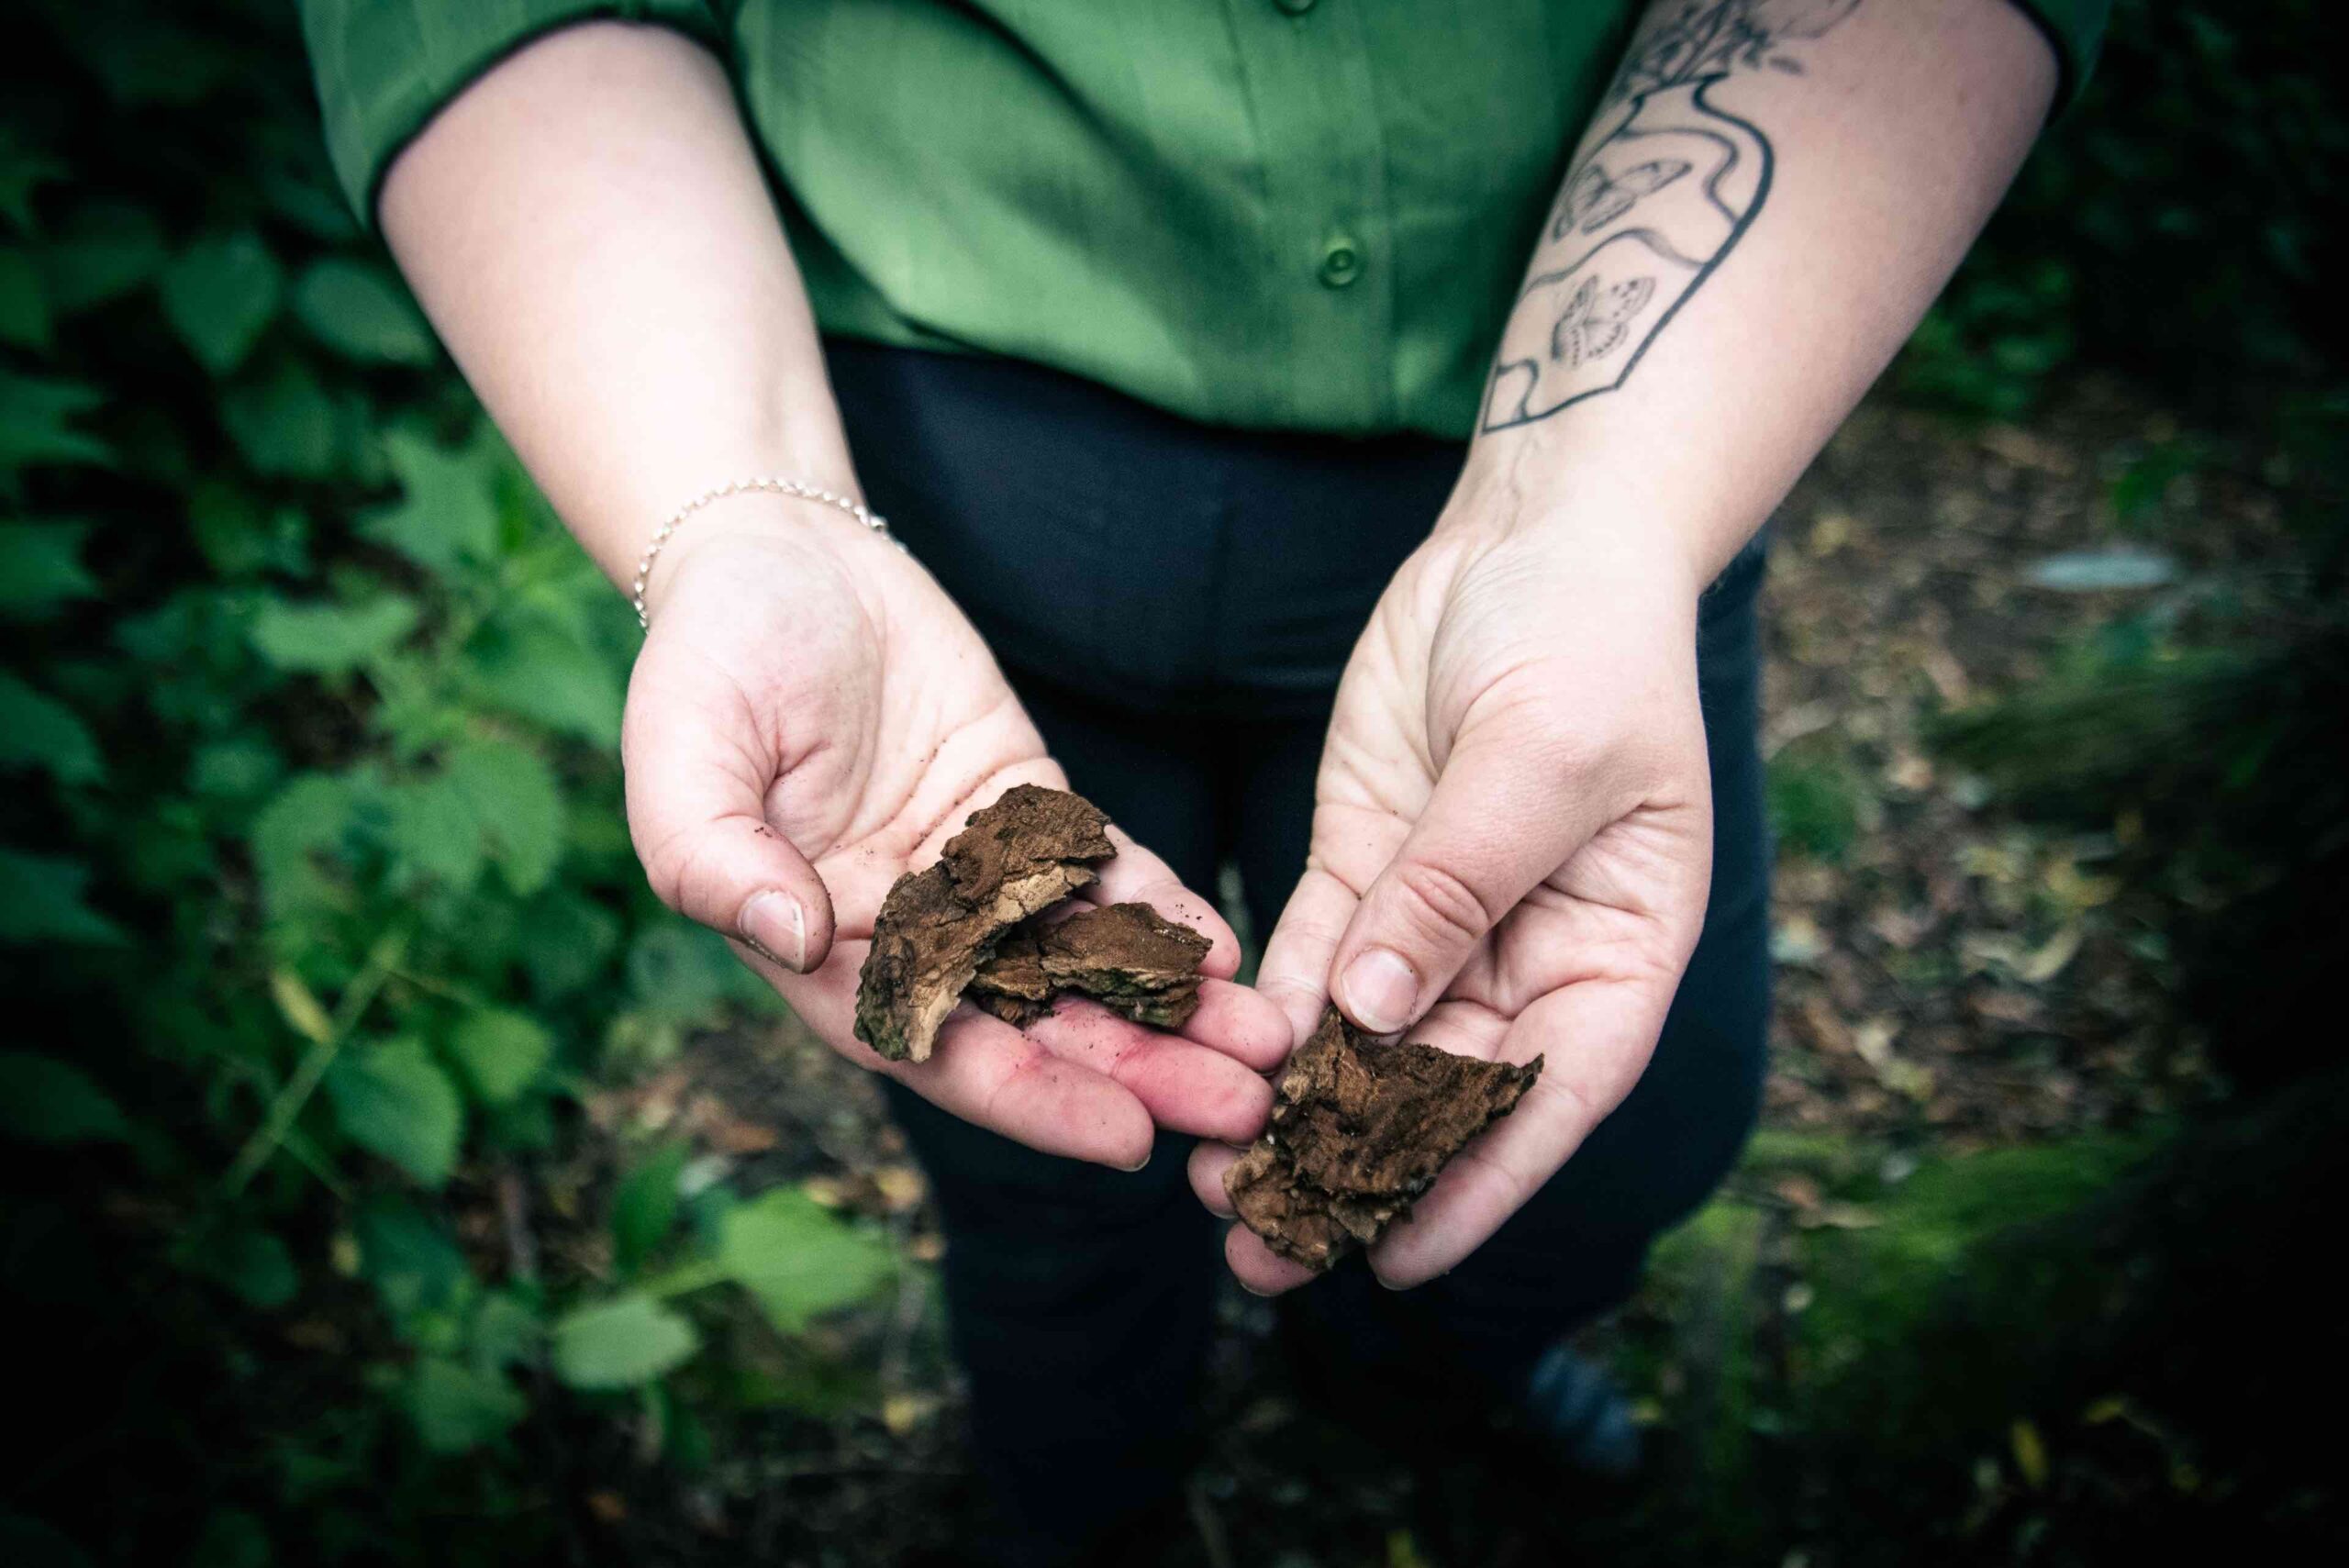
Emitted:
pixel 1652 209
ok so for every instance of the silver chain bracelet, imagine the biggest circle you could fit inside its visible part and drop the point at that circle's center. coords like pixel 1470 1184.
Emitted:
pixel 793 487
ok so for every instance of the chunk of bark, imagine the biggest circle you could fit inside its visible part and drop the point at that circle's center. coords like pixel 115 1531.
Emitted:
pixel 1359 1131
pixel 1013 859
pixel 1127 956
pixel 1012 984
pixel 1025 852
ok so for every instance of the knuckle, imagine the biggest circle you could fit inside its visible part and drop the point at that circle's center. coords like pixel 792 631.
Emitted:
pixel 672 866
pixel 1438 904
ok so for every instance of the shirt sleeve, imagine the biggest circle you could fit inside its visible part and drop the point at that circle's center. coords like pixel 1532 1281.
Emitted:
pixel 384 67
pixel 2075 28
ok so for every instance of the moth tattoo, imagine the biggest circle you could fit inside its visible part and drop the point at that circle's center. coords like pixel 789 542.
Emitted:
pixel 1595 198
pixel 1671 182
pixel 1595 320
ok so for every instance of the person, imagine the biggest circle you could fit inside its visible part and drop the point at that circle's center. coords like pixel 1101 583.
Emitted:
pixel 1305 446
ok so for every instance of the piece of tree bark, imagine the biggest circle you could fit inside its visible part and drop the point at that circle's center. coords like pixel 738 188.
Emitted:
pixel 1359 1131
pixel 1013 859
pixel 1127 956
pixel 1012 984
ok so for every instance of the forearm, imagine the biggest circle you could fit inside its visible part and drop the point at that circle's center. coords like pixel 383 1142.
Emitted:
pixel 588 229
pixel 1730 263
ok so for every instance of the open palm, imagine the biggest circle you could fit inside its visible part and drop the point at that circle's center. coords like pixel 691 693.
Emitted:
pixel 810 719
pixel 1511 845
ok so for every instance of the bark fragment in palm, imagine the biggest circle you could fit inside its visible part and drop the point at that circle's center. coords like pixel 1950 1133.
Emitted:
pixel 1127 956
pixel 1359 1131
pixel 1013 859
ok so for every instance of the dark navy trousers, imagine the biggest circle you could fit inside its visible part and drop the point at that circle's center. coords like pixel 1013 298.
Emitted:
pixel 1175 602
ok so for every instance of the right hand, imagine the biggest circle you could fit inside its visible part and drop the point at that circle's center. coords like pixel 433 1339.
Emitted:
pixel 810 719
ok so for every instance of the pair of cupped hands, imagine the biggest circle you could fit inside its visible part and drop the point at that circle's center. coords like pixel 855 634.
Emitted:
pixel 1510 851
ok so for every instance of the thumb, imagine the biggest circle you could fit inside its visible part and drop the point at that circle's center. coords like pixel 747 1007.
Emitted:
pixel 1501 817
pixel 696 784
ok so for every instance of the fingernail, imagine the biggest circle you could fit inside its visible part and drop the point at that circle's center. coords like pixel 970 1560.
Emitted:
pixel 773 923
pixel 1380 990
pixel 1136 1165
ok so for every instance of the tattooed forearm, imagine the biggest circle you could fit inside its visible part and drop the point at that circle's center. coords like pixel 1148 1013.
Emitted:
pixel 1654 207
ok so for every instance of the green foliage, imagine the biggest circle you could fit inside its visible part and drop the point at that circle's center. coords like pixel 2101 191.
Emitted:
pixel 623 1342
pixel 307 724
pixel 1816 800
pixel 2179 222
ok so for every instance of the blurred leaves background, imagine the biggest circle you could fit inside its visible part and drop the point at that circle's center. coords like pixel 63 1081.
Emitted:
pixel 391 1180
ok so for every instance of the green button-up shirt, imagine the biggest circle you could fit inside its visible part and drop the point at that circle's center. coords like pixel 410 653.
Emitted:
pixel 1298 213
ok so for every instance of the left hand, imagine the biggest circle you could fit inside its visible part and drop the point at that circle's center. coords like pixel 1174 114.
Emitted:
pixel 1512 841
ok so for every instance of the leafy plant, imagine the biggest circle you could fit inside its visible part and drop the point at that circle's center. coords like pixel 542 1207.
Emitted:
pixel 310 844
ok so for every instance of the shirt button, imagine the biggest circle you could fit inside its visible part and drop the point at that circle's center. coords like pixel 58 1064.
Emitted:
pixel 1340 264
pixel 1296 7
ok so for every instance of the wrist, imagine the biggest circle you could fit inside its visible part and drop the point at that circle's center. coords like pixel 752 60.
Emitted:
pixel 755 531
pixel 1594 512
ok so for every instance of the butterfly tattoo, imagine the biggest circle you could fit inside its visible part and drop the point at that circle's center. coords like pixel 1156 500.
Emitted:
pixel 1594 321
pixel 1596 198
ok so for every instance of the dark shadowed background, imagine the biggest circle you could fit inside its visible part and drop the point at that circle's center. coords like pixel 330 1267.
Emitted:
pixel 390 1180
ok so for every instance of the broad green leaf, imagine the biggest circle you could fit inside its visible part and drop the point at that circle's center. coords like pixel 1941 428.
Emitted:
pixel 394 1100
pixel 502 1052
pixel 99 253
pixel 356 311
pixel 24 300
pixel 506 1330
pixel 312 815
pixel 544 674
pixel 434 833
pixel 240 537
pixel 412 1262
pixel 799 1259
pixel 516 798
pixel 620 1343
pixel 330 639
pixel 457 1407
pixel 310 204
pixel 253 1264
pixel 644 1208
pixel 40 901
pixel 41 570
pixel 565 943
pixel 39 731
pixel 285 424
pixel 447 516
pixel 682 973
pixel 219 294
pixel 239 769
pixel 36 425
pixel 47 1101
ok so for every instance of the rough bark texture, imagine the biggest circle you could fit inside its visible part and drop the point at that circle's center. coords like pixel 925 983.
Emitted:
pixel 1359 1131
pixel 1012 985
pixel 1127 956
pixel 1013 859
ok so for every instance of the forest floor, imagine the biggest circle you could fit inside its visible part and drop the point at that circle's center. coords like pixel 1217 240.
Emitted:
pixel 1950 982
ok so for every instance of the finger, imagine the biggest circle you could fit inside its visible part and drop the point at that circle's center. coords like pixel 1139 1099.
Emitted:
pixel 1185 1086
pixel 1258 1268
pixel 697 785
pixel 1134 876
pixel 984 1071
pixel 1208 1162
pixel 1295 973
pixel 1503 817
pixel 1595 1039
pixel 1242 1024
